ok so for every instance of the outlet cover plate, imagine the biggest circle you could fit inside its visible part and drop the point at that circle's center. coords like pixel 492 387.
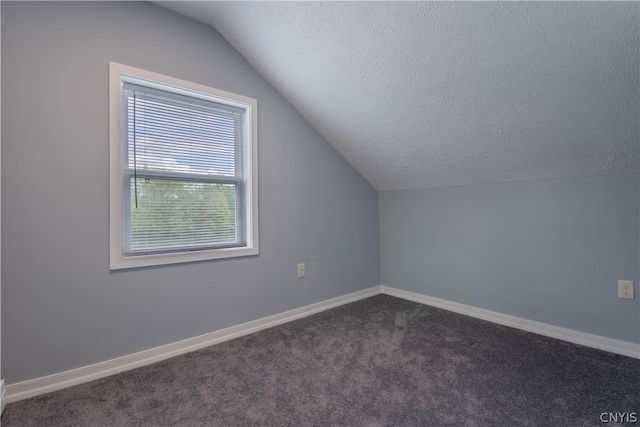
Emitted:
pixel 626 289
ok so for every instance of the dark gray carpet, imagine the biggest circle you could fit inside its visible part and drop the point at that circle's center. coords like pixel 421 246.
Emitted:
pixel 377 362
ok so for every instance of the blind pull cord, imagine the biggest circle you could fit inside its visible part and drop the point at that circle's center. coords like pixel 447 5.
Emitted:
pixel 135 160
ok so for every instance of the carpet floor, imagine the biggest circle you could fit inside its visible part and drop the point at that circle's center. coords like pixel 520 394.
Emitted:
pixel 381 361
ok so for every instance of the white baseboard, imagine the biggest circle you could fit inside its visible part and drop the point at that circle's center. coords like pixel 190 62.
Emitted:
pixel 3 396
pixel 589 340
pixel 37 386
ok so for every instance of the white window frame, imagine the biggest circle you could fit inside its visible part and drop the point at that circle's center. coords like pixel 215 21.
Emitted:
pixel 118 74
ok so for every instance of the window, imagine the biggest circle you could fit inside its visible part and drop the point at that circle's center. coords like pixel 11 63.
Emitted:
pixel 183 171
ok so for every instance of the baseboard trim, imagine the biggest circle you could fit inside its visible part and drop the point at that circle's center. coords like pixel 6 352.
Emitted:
pixel 3 396
pixel 37 386
pixel 589 340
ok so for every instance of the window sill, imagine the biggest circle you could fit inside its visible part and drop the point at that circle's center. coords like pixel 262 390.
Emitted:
pixel 181 257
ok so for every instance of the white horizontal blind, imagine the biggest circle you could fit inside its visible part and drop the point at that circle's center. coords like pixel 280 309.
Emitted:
pixel 183 180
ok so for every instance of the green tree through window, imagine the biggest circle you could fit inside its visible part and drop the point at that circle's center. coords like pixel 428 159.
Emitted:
pixel 177 213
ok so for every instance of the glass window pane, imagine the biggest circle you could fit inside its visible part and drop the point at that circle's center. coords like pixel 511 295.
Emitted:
pixel 177 214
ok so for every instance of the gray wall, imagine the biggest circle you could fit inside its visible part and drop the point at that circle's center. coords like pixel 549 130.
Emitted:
pixel 61 307
pixel 550 251
pixel 0 209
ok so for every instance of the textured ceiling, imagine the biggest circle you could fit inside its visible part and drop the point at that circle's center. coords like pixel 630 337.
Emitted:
pixel 418 95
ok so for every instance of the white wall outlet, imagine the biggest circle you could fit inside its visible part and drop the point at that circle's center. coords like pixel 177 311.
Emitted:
pixel 626 289
pixel 301 270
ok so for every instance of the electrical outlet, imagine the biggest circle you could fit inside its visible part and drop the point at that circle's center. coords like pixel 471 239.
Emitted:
pixel 301 270
pixel 626 289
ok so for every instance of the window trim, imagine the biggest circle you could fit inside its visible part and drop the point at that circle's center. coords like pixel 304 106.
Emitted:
pixel 118 260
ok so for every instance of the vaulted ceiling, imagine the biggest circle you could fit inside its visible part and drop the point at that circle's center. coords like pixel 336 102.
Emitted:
pixel 430 94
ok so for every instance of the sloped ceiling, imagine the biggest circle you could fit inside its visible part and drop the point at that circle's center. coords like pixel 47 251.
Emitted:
pixel 430 94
